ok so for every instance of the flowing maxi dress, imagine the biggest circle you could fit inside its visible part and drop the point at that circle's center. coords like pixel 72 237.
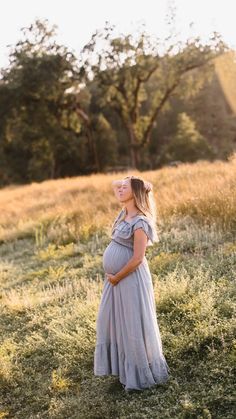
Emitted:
pixel 128 341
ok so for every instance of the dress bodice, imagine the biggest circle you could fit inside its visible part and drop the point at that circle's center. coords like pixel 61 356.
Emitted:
pixel 123 231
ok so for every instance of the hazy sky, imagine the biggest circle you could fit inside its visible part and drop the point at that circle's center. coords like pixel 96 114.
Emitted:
pixel 77 20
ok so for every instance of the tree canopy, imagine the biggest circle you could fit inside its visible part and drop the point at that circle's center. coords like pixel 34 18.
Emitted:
pixel 118 103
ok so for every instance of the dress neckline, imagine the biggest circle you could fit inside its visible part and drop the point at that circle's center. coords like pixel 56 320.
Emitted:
pixel 130 222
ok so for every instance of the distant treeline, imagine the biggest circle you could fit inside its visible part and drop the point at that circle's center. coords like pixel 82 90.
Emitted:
pixel 125 101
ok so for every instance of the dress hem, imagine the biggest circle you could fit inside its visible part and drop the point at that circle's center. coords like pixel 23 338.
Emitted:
pixel 132 377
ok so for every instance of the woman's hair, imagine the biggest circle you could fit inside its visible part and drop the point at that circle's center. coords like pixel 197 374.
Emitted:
pixel 144 200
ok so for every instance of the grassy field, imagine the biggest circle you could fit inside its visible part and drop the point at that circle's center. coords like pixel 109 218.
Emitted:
pixel 52 238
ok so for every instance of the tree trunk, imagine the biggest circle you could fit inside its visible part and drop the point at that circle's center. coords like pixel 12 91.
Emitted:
pixel 91 141
pixel 134 148
pixel 94 149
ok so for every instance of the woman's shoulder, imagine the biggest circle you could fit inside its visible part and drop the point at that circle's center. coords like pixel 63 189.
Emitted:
pixel 133 221
pixel 129 224
pixel 146 224
pixel 141 216
pixel 141 220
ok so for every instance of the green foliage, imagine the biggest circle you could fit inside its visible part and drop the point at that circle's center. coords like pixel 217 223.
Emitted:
pixel 58 112
pixel 126 64
pixel 34 95
pixel 42 135
pixel 188 145
pixel 164 262
pixel 105 139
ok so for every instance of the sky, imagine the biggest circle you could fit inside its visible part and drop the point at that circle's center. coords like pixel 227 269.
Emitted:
pixel 77 20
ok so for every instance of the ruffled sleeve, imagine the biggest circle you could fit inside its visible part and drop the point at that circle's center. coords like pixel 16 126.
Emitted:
pixel 123 231
pixel 147 227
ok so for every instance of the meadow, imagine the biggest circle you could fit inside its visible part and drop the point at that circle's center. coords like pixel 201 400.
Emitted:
pixel 52 238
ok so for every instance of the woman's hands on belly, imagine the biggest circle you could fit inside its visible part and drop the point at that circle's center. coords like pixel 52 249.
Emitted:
pixel 112 279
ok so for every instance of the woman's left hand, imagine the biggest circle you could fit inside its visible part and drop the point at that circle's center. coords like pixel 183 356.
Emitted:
pixel 112 279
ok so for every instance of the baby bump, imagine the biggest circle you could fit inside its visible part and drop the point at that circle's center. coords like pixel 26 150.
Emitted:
pixel 115 257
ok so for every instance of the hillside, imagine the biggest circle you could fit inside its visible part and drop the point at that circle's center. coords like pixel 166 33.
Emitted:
pixel 52 237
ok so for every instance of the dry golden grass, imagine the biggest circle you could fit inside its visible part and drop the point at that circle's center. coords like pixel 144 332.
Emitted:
pixel 205 191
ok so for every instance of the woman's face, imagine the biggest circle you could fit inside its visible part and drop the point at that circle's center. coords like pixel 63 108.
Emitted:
pixel 124 190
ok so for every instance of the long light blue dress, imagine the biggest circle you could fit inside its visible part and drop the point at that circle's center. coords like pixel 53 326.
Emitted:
pixel 128 341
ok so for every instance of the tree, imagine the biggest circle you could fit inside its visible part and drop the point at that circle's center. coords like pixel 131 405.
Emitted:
pixel 38 120
pixel 188 145
pixel 125 64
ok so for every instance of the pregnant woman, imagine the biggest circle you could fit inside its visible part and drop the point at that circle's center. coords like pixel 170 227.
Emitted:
pixel 128 342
